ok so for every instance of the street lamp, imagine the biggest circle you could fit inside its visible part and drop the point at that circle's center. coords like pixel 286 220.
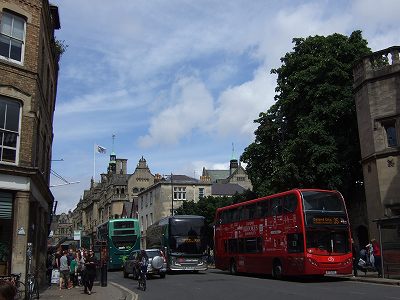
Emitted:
pixel 172 196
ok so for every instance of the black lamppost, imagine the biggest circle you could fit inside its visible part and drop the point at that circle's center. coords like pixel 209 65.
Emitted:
pixel 172 196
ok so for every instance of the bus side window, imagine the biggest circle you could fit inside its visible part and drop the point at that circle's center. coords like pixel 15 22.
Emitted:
pixel 294 243
pixel 235 215
pixel 258 211
pixel 242 246
pixel 264 208
pixel 276 206
pixel 232 246
pixel 252 211
pixel 244 213
pixel 290 203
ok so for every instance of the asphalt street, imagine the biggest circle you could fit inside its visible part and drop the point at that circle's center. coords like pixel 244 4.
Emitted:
pixel 219 285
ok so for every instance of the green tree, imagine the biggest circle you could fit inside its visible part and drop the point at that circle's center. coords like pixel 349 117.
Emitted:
pixel 309 137
pixel 207 206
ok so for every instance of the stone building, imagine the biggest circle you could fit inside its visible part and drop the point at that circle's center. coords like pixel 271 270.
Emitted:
pixel 235 175
pixel 377 97
pixel 28 84
pixel 107 199
pixel 166 195
pixel 141 179
pixel 61 228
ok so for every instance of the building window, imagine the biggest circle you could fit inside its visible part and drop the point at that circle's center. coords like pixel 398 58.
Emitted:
pixel 179 193
pixel 201 192
pixel 391 134
pixel 151 218
pixel 12 37
pixel 240 178
pixel 9 130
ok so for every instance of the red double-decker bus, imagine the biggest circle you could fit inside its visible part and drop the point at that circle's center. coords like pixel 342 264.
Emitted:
pixel 298 232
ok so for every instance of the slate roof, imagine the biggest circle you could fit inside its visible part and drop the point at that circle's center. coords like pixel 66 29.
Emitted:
pixel 226 189
pixel 217 175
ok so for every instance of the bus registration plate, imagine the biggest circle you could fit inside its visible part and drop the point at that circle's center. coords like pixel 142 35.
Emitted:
pixel 330 272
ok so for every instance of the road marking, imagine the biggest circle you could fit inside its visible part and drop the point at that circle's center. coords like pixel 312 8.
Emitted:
pixel 133 295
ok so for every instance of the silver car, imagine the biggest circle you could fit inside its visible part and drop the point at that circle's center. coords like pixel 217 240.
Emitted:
pixel 157 264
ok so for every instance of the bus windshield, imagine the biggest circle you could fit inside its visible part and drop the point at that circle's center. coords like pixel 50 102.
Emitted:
pixel 326 242
pixel 187 235
pixel 187 227
pixel 322 201
pixel 123 242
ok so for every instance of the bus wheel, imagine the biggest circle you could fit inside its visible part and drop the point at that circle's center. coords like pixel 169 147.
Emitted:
pixel 277 270
pixel 232 267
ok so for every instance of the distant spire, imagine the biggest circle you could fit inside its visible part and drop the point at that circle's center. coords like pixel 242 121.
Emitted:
pixel 113 138
pixel 233 152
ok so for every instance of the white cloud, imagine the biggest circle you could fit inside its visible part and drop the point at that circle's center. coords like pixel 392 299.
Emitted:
pixel 190 109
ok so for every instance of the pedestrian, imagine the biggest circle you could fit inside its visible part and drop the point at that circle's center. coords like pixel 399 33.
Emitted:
pixel 49 267
pixel 7 290
pixel 57 259
pixel 81 267
pixel 356 257
pixel 73 271
pixel 376 250
pixel 70 256
pixel 90 265
pixel 64 271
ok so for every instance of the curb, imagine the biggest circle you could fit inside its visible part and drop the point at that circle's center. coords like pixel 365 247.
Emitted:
pixel 131 295
pixel 376 281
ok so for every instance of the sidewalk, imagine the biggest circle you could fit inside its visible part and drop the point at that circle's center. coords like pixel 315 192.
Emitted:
pixel 112 291
pixel 372 277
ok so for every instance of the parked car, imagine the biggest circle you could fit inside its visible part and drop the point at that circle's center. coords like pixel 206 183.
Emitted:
pixel 157 264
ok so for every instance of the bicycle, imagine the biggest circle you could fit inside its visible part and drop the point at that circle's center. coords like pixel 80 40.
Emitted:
pixel 19 285
pixel 32 288
pixel 142 278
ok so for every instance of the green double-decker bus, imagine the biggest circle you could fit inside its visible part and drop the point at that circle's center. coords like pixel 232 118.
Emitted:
pixel 122 236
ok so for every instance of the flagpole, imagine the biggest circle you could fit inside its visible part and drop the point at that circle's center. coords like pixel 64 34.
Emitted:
pixel 94 162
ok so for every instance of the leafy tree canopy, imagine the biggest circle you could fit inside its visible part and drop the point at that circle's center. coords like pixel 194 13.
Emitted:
pixel 309 137
pixel 207 206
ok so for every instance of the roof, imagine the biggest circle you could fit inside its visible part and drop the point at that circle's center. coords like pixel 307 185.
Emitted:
pixel 181 179
pixel 216 175
pixel 226 189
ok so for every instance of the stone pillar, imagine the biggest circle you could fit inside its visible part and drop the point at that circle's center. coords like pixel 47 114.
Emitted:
pixel 20 233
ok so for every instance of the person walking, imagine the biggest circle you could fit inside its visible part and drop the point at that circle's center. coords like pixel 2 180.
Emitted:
pixel 49 267
pixel 90 265
pixel 73 271
pixel 356 257
pixel 81 268
pixel 64 271
pixel 377 256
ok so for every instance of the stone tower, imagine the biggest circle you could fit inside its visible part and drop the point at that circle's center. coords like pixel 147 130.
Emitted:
pixel 377 96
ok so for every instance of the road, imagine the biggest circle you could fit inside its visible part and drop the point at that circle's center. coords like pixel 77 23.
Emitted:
pixel 219 285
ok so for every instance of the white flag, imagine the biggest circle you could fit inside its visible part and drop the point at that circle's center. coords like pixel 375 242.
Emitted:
pixel 100 149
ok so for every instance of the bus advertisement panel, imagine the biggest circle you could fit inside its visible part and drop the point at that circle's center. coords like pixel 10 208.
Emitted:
pixel 183 240
pixel 298 232
pixel 122 236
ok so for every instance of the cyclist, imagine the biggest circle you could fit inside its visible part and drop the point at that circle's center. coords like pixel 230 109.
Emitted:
pixel 143 262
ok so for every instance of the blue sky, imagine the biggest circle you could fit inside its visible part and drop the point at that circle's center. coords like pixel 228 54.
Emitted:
pixel 179 81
